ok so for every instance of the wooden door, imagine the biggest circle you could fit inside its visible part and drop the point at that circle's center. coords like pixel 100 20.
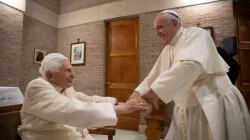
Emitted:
pixel 123 66
pixel 242 24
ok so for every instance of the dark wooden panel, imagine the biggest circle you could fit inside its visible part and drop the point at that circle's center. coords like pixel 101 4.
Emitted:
pixel 127 53
pixel 122 85
pixel 124 69
pixel 121 94
pixel 5 109
pixel 103 131
pixel 245 66
pixel 243 19
pixel 123 37
pixel 246 95
pixel 128 123
pixel 8 125
pixel 242 26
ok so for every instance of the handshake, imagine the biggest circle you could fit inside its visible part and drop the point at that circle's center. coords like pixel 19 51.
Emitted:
pixel 137 102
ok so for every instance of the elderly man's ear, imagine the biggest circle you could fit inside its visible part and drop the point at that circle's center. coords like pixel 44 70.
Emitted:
pixel 49 75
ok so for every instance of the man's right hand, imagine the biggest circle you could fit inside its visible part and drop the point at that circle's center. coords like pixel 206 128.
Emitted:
pixel 131 105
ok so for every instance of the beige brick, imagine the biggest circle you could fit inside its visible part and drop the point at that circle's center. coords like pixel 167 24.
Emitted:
pixel 36 35
pixel 11 24
pixel 90 77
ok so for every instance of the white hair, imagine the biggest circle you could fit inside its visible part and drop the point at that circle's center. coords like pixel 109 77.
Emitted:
pixel 51 62
pixel 171 15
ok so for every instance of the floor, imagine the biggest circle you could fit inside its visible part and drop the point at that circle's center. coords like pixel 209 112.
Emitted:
pixel 123 135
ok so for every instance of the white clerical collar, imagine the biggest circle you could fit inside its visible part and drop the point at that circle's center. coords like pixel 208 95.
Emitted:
pixel 176 37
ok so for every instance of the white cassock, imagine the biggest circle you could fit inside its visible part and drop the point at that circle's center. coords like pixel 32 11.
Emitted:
pixel 191 73
pixel 48 115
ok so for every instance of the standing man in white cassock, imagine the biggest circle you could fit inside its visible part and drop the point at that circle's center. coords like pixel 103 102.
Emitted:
pixel 190 72
pixel 53 110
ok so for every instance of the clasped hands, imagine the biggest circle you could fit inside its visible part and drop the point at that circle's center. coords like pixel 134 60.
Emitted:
pixel 138 102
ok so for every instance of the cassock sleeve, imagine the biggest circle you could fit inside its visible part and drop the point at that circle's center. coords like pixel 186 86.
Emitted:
pixel 97 99
pixel 179 78
pixel 47 104
pixel 154 73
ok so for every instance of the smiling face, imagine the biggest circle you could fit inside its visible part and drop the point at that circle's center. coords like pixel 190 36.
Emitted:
pixel 165 28
pixel 64 76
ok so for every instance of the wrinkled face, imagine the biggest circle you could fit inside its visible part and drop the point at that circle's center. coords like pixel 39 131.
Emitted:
pixel 64 76
pixel 166 30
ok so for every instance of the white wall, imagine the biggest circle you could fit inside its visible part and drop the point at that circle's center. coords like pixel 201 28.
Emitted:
pixel 18 4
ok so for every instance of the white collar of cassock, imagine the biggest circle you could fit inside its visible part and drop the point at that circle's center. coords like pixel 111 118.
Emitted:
pixel 58 89
pixel 176 37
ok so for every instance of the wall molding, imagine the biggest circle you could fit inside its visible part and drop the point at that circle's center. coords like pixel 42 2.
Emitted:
pixel 121 9
pixel 40 13
pixel 107 11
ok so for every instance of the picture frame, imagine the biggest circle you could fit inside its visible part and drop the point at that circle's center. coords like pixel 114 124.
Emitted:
pixel 78 53
pixel 38 56
pixel 210 30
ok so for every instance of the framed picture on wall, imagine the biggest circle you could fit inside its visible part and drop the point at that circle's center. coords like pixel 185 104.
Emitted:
pixel 39 55
pixel 210 30
pixel 78 53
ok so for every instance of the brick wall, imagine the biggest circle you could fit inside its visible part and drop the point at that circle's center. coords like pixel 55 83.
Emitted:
pixel 11 24
pixel 90 77
pixel 35 35
pixel 52 5
pixel 219 15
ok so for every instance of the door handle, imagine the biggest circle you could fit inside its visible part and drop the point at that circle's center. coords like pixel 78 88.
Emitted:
pixel 108 83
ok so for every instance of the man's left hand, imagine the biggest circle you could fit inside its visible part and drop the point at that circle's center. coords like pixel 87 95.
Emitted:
pixel 151 97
